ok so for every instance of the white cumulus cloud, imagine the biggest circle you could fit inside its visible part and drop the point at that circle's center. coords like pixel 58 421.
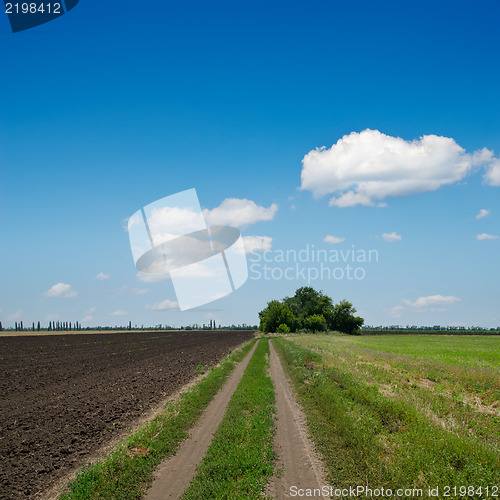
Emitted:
pixel 166 223
pixel 367 167
pixel 390 237
pixel 239 212
pixel 166 305
pixel 492 175
pixel 61 290
pixel 422 304
pixel 257 243
pixel 486 236
pixel 102 276
pixel 482 213
pixel 333 239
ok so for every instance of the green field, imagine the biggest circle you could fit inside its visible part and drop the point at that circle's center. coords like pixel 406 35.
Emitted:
pixel 401 411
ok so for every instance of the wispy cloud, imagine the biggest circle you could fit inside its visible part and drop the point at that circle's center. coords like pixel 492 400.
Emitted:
pixel 482 213
pixel 166 305
pixel 152 278
pixel 486 236
pixel 119 312
pixel 390 237
pixel 62 290
pixel 103 276
pixel 333 239
pixel 16 316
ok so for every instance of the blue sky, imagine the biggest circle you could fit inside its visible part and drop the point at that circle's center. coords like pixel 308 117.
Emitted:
pixel 106 110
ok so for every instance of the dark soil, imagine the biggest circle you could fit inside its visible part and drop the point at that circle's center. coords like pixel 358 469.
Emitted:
pixel 64 397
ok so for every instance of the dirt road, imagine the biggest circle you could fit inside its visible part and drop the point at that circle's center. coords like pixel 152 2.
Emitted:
pixel 174 474
pixel 296 456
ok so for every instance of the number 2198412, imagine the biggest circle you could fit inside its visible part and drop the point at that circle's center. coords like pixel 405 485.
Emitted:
pixel 33 8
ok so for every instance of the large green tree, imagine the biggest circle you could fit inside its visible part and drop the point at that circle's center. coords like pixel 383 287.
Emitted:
pixel 314 323
pixel 344 319
pixel 310 310
pixel 308 302
pixel 275 314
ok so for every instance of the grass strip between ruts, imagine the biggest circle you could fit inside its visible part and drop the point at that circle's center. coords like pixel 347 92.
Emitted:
pixel 240 460
pixel 127 472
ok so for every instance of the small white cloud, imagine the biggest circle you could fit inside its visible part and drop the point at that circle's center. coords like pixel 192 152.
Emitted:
pixel 119 312
pixel 87 318
pixel 367 167
pixel 166 305
pixel 486 236
pixel 351 199
pixel 16 316
pixel 102 276
pixel 333 239
pixel 90 311
pixel 152 278
pixel 396 311
pixel 390 237
pixel 435 303
pixel 239 212
pixel 482 213
pixel 257 243
pixel 139 291
pixel 62 290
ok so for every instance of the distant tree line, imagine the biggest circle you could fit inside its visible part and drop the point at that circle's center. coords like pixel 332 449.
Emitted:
pixel 309 310
pixel 68 326
pixel 53 326
pixel 436 329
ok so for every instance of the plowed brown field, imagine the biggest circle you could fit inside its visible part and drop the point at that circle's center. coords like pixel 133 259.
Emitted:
pixel 63 397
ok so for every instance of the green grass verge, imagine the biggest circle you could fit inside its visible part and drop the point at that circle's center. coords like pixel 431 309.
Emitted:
pixel 375 426
pixel 127 472
pixel 240 460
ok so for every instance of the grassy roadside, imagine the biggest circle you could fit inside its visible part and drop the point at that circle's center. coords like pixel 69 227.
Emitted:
pixel 374 425
pixel 240 460
pixel 128 470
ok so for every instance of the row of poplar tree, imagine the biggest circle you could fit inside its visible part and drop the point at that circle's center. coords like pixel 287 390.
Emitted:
pixel 54 326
